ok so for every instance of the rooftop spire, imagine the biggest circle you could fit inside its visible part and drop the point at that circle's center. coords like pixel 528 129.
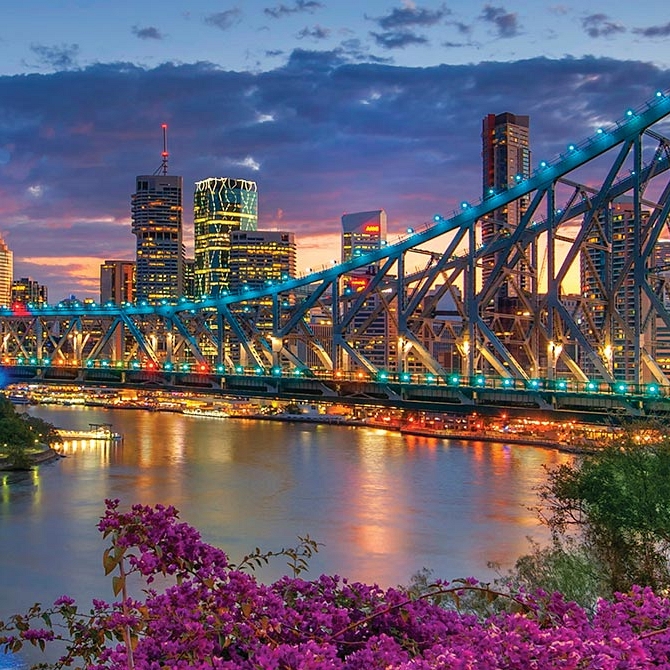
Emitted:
pixel 164 155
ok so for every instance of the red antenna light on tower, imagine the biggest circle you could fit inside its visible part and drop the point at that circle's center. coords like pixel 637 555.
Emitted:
pixel 165 154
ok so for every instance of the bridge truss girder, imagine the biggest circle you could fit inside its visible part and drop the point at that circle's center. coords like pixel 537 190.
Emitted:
pixel 429 303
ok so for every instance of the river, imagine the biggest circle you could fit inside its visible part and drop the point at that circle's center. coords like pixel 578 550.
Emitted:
pixel 383 505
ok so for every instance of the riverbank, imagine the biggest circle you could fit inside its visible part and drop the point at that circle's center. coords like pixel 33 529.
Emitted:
pixel 564 437
pixel 36 458
pixel 418 431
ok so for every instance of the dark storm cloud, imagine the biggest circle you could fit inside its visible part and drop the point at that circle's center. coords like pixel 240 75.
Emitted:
pixel 224 20
pixel 315 33
pixel 600 25
pixel 653 31
pixel 148 33
pixel 407 17
pixel 320 135
pixel 299 6
pixel 62 57
pixel 506 23
pixel 398 39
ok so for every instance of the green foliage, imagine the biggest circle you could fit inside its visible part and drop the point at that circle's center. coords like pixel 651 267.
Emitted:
pixel 20 433
pixel 298 556
pixel 564 566
pixel 611 509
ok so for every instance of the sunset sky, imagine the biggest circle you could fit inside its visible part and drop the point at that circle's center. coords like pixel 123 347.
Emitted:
pixel 331 107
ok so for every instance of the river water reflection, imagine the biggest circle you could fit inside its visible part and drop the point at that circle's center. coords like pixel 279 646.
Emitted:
pixel 382 504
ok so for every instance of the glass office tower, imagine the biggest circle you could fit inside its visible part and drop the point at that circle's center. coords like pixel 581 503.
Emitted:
pixel 220 205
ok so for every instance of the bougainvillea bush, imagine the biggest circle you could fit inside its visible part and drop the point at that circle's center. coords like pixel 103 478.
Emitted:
pixel 209 613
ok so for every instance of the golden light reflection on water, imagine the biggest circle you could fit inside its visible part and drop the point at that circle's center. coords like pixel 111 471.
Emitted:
pixel 383 504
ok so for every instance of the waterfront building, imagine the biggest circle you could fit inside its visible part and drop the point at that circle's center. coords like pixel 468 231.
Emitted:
pixel 255 258
pixel 661 278
pixel 157 224
pixel 6 273
pixel 505 162
pixel 189 279
pixel 117 282
pixel 370 333
pixel 363 232
pixel 258 256
pixel 221 205
pixel 28 291
pixel 608 312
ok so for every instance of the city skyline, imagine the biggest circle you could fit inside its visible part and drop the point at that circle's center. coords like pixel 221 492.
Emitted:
pixel 324 127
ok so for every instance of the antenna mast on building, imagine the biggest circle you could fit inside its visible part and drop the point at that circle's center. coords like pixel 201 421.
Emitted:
pixel 164 155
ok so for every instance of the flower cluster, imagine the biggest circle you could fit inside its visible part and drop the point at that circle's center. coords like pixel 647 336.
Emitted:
pixel 213 615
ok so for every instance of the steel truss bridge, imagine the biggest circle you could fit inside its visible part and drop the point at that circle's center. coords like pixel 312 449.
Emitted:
pixel 419 321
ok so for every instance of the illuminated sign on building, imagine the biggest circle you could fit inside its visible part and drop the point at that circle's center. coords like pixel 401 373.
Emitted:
pixel 358 283
pixel 371 229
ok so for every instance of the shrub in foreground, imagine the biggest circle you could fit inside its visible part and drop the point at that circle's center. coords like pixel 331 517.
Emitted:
pixel 213 614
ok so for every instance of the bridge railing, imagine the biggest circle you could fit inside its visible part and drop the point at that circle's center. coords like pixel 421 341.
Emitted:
pixel 452 380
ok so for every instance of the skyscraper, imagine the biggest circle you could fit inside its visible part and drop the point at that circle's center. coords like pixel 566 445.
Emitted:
pixel 259 256
pixel 27 290
pixel 505 161
pixel 363 232
pixel 611 295
pixel 220 206
pixel 156 208
pixel 117 282
pixel 6 273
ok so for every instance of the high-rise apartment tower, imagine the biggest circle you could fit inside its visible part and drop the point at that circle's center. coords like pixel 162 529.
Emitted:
pixel 6 273
pixel 220 206
pixel 505 162
pixel 157 210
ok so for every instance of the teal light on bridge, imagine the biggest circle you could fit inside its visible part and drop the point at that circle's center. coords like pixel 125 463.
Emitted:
pixel 591 386
pixel 480 380
pixel 382 376
pixel 534 384
pixel 33 360
pixel 508 382
pixel 220 369
pixel 405 377
pixel 297 372
pixel 455 380
pixel 135 365
pixel 562 385
pixel 46 361
pixel 185 367
pixel 276 371
pixel 20 360
pixel 89 363
pixel 104 363
pixel 621 387
pixel 167 366
pixel 239 369
pixel 653 389
pixel 259 370
pixel 430 379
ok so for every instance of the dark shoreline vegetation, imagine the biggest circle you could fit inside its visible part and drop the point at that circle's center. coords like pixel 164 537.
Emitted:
pixel 593 597
pixel 24 440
